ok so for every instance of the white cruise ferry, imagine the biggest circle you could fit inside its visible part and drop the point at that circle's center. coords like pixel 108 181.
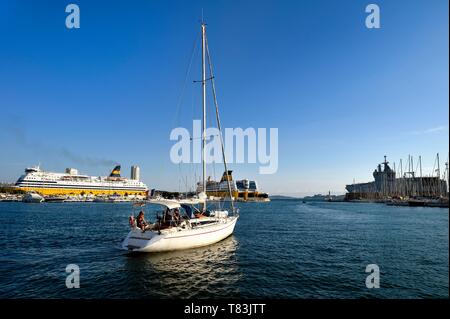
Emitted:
pixel 70 182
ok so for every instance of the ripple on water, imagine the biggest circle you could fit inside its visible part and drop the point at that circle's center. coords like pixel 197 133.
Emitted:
pixel 281 249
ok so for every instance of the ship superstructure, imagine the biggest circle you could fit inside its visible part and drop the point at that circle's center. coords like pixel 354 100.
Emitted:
pixel 71 182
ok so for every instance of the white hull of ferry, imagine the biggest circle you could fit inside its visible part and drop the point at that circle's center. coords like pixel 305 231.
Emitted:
pixel 176 238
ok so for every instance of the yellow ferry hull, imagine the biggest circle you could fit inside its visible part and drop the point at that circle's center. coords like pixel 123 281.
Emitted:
pixel 78 191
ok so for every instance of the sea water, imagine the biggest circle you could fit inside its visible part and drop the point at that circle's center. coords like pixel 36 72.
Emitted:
pixel 281 249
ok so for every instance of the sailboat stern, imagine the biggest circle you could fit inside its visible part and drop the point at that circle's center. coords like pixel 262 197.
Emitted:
pixel 137 240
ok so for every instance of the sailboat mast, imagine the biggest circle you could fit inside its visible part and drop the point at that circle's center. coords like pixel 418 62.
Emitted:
pixel 446 171
pixel 204 107
pixel 401 178
pixel 421 179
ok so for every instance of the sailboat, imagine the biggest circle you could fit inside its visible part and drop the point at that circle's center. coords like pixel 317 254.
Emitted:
pixel 187 223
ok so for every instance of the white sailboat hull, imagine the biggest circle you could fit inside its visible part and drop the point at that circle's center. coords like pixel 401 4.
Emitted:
pixel 177 238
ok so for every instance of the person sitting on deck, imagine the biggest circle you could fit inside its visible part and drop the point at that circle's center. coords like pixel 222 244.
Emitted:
pixel 141 222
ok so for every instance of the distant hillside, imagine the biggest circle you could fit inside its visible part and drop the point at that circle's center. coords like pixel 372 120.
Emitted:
pixel 282 197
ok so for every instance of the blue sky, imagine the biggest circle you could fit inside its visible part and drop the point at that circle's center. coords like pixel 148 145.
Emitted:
pixel 341 95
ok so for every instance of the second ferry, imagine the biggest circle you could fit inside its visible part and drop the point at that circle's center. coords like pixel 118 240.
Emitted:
pixel 243 190
pixel 73 183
